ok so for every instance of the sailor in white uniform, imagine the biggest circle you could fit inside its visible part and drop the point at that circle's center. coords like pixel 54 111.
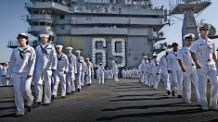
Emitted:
pixel 84 72
pixel 149 74
pixel 20 71
pixel 189 69
pixel 115 71
pixel 46 63
pixel 145 70
pixel 203 54
pixel 60 73
pixel 101 72
pixel 72 71
pixel 164 71
pixel 79 62
pixel 90 71
pixel 141 72
pixel 111 74
pixel 155 70
pixel 123 73
pixel 175 71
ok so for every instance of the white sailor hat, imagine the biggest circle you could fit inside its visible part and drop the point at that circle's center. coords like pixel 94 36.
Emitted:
pixel 145 56
pixel 44 35
pixel 87 58
pixel 204 26
pixel 154 55
pixel 59 46
pixel 69 48
pixel 189 36
pixel 22 35
pixel 78 51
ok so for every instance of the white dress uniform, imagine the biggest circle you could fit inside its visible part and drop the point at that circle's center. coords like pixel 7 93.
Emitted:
pixel 149 76
pixel 123 74
pixel 79 61
pixel 101 73
pixel 176 73
pixel 145 71
pixel 128 75
pixel 155 73
pixel 141 73
pixel 71 73
pixel 21 65
pixel 164 71
pixel 111 74
pixel 190 74
pixel 115 71
pixel 203 50
pixel 90 71
pixel 60 74
pixel 84 72
pixel 46 61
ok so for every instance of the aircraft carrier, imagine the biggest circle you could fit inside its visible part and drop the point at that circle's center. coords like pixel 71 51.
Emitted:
pixel 104 30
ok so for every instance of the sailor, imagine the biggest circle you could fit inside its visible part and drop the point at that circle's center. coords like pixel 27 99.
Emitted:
pixel 101 72
pixel 141 72
pixel 123 73
pixel 79 62
pixel 165 74
pixel 155 70
pixel 128 75
pixel 72 70
pixel 189 69
pixel 149 74
pixel 20 71
pixel 203 54
pixel 175 71
pixel 145 70
pixel 115 71
pixel 84 73
pixel 90 71
pixel 111 74
pixel 46 64
pixel 60 73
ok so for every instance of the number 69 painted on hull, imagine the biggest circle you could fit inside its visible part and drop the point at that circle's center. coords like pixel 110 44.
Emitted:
pixel 101 52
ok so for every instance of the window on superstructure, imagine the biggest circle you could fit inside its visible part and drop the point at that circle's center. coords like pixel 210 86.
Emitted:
pixel 35 12
pixel 62 27
pixel 34 23
pixel 62 17
pixel 42 23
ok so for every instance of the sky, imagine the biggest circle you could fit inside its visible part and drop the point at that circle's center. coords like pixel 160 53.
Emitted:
pixel 13 12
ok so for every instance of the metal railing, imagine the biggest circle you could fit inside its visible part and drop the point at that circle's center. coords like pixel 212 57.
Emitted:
pixel 40 17
pixel 15 44
pixel 48 4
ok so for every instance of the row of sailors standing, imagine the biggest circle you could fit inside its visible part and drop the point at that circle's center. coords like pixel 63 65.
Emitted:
pixel 108 74
pixel 193 64
pixel 131 73
pixel 47 66
pixel 149 71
